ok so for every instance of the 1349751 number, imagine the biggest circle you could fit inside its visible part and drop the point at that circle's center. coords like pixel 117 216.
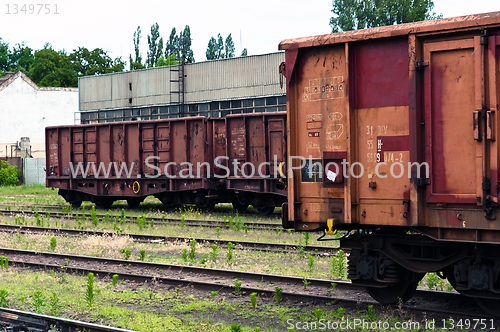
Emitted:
pixel 31 9
pixel 467 324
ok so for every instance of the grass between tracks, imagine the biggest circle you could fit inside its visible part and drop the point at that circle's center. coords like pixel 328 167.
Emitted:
pixel 298 264
pixel 143 307
pixel 149 308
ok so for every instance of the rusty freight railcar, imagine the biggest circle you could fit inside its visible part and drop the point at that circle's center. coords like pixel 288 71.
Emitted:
pixel 256 149
pixel 168 159
pixel 393 137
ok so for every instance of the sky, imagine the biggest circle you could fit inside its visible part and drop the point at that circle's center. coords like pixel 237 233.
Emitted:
pixel 258 25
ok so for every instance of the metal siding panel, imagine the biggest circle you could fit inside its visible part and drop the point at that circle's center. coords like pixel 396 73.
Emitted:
pixel 120 90
pixel 234 78
pixel 33 170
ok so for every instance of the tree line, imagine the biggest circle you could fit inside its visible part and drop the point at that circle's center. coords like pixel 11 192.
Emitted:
pixel 49 67
pixel 177 49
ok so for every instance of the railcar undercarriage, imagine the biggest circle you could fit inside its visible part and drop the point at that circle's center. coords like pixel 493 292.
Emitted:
pixel 391 263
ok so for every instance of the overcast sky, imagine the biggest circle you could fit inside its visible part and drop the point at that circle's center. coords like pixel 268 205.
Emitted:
pixel 258 25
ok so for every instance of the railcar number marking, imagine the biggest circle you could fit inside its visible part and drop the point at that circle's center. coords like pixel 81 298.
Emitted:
pixel 324 88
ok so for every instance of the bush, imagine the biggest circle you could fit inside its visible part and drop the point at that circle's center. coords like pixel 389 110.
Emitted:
pixel 9 175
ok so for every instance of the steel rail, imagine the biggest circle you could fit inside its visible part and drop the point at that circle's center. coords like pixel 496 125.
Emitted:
pixel 17 320
pixel 157 220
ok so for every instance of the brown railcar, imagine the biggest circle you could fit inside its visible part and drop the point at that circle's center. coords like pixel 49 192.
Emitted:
pixel 256 147
pixel 392 137
pixel 179 161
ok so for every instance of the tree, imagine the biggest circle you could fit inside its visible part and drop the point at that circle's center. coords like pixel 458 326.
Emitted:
pixel 86 62
pixel 360 14
pixel 211 52
pixel 185 41
pixel 217 50
pixel 244 52
pixel 172 46
pixel 229 47
pixel 180 46
pixel 171 60
pixel 52 68
pixel 21 58
pixel 137 62
pixel 155 43
pixel 4 56
pixel 220 47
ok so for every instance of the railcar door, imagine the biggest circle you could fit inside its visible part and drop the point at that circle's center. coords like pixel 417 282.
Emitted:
pixel 457 141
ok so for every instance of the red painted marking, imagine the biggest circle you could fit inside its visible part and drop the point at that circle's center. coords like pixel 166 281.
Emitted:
pixel 380 67
pixel 391 143
pixel 394 143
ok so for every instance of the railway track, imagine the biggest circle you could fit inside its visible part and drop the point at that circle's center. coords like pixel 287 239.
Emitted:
pixel 262 246
pixel 438 305
pixel 116 208
pixel 254 225
pixel 17 320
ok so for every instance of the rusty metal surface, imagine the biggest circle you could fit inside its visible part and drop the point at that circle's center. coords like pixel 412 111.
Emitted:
pixel 192 160
pixel 388 98
pixel 151 151
pixel 461 23
pixel 256 146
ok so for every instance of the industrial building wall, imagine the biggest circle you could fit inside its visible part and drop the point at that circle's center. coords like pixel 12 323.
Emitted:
pixel 235 78
pixel 26 110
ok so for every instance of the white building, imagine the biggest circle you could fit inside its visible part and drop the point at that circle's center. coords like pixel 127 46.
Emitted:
pixel 26 109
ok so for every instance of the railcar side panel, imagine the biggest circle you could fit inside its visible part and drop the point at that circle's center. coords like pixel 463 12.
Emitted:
pixel 321 133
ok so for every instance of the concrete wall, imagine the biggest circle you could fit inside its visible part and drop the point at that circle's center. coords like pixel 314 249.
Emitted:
pixel 25 111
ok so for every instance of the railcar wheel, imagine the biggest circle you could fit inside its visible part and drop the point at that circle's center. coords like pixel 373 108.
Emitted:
pixel 265 210
pixel 490 306
pixel 403 290
pixel 133 202
pixel 239 207
pixel 209 207
pixel 104 203
pixel 76 204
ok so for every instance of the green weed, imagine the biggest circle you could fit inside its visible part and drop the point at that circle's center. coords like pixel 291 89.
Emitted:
pixel 53 243
pixel 253 299
pixel 229 252
pixel 237 286
pixel 192 252
pixel 114 279
pixel 213 253
pixel 4 298
pixel 278 295
pixel 126 253
pixel 89 294
pixel 38 302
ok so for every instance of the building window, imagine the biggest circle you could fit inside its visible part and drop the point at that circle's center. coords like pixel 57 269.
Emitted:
pixel 271 101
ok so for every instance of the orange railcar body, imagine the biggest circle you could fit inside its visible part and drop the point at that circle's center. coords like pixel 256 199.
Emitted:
pixel 397 126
